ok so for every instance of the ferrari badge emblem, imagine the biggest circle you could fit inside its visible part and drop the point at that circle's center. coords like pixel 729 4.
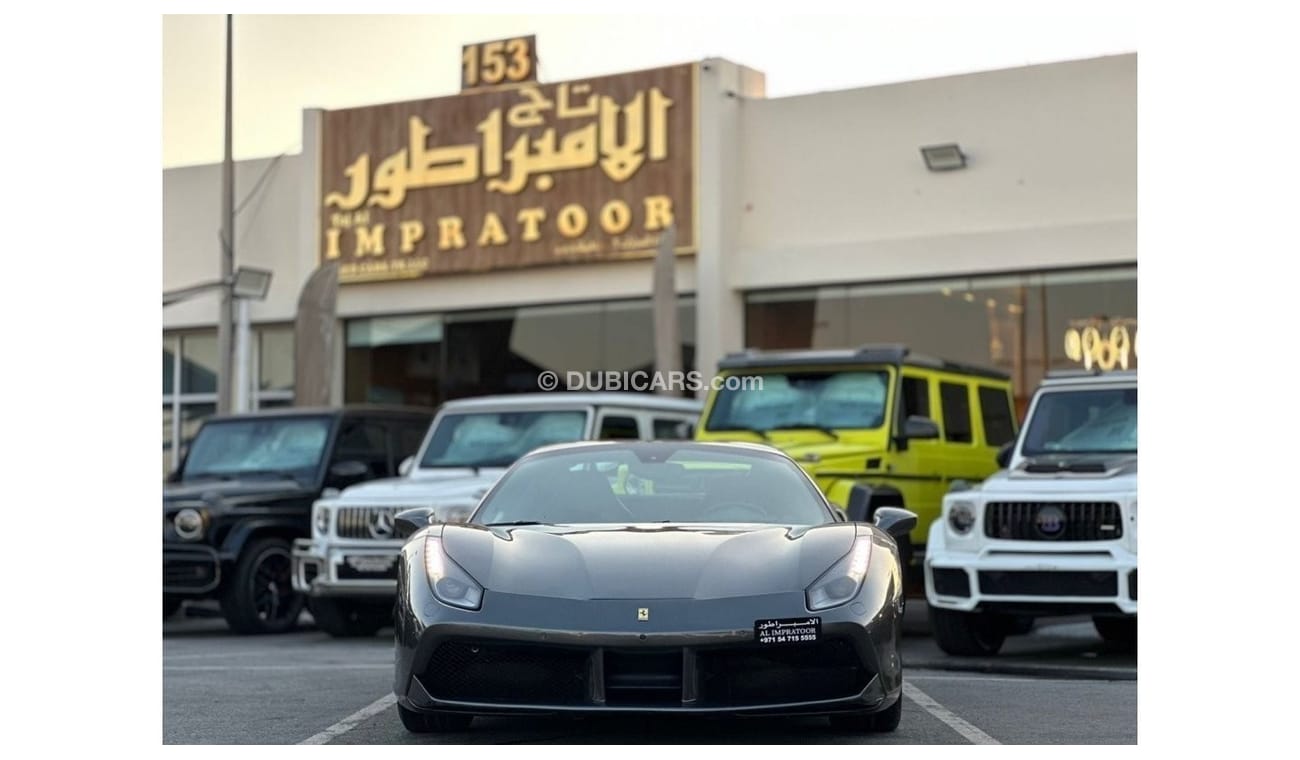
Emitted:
pixel 642 613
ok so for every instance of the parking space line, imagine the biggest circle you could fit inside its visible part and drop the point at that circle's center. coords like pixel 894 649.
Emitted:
pixel 1007 679
pixel 927 703
pixel 349 666
pixel 352 721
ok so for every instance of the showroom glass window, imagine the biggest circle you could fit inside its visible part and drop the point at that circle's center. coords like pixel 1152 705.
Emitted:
pixel 190 367
pixel 430 358
pixel 1020 324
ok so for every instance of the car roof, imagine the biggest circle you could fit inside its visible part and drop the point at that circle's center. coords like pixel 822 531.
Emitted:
pixel 890 353
pixel 328 411
pixel 1089 377
pixel 571 399
pixel 738 446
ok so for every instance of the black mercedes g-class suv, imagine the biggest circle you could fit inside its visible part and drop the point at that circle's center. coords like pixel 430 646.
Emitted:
pixel 244 492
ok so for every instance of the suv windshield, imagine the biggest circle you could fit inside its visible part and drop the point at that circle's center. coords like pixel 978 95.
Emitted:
pixel 658 482
pixel 792 400
pixel 1083 422
pixel 285 446
pixel 497 439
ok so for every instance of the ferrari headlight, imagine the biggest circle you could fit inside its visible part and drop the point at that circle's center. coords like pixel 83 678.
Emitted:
pixel 961 517
pixel 450 583
pixel 323 520
pixel 841 583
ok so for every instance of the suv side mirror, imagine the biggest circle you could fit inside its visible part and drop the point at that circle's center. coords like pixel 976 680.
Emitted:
pixel 174 476
pixel 894 521
pixel 349 470
pixel 406 465
pixel 407 522
pixel 916 427
pixel 1004 454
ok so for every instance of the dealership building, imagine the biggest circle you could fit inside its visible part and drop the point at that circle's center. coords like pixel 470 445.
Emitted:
pixel 480 238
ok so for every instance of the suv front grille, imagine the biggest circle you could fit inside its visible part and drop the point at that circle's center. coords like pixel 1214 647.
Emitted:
pixel 366 522
pixel 1053 521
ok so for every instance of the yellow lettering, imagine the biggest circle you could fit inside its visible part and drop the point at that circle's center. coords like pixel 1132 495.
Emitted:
pixel 531 218
pixel 615 217
pixel 451 233
pixel 572 220
pixel 494 232
pixel 658 212
pixel 412 233
pixel 370 240
pixel 332 243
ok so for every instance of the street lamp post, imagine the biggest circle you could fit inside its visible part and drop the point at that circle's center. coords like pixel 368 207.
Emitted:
pixel 246 284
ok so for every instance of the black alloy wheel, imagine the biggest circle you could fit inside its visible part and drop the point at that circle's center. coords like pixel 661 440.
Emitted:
pixel 260 597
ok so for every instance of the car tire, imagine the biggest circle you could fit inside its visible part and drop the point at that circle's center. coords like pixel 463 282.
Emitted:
pixel 171 605
pixel 870 722
pixel 1117 630
pixel 1018 625
pixel 259 597
pixel 433 723
pixel 344 619
pixel 967 634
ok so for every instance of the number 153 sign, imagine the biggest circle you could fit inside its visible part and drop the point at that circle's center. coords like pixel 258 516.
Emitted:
pixel 501 62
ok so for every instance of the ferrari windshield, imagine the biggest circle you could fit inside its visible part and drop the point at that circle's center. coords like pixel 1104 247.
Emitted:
pixel 277 446
pixel 1083 422
pixel 657 482
pixel 497 439
pixel 794 400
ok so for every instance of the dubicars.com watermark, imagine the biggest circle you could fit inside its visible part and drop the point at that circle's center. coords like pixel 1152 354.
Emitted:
pixel 642 381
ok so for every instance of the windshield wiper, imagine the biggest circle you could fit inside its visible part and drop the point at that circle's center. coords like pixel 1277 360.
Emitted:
pixel 263 473
pixel 739 428
pixel 512 523
pixel 808 426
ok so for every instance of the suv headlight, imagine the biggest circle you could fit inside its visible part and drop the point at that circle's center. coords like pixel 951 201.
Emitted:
pixel 189 524
pixel 323 520
pixel 961 517
pixel 450 583
pixel 841 583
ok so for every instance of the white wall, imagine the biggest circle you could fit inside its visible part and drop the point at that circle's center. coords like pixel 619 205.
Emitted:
pixel 835 187
pixel 266 236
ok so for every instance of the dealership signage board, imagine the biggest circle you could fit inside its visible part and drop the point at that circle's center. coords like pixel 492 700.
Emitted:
pixel 520 175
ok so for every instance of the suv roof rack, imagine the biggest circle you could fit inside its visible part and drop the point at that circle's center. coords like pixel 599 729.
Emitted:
pixel 871 353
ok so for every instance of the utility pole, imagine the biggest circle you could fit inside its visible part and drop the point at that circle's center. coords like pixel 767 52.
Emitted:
pixel 226 317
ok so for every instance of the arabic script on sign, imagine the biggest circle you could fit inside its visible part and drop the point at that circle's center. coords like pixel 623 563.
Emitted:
pixel 619 138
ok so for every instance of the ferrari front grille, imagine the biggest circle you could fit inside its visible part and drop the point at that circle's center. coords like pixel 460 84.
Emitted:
pixel 506 673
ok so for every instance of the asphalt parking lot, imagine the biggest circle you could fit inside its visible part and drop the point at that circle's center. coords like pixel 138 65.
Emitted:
pixel 1057 684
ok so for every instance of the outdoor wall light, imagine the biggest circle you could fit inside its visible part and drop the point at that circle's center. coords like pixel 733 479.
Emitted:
pixel 943 158
pixel 251 283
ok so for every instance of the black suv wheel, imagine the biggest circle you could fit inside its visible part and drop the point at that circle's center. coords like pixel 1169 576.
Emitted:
pixel 1117 630
pixel 259 597
pixel 968 634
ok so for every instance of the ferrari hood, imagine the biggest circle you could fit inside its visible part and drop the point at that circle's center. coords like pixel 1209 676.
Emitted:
pixel 653 561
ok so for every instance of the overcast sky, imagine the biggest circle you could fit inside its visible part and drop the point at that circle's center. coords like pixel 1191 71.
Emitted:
pixel 283 64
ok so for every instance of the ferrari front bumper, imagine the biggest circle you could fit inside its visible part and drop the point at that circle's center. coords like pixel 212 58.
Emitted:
pixel 687 664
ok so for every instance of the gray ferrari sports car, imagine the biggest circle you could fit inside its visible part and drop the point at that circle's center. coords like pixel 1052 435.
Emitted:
pixel 705 578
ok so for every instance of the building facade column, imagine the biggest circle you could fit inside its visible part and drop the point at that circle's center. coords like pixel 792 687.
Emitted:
pixel 719 307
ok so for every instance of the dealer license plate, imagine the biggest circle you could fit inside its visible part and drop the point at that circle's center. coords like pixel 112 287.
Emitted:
pixel 788 630
pixel 370 565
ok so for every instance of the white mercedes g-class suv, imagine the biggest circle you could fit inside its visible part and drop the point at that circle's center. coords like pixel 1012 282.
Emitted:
pixel 1052 533
pixel 348 568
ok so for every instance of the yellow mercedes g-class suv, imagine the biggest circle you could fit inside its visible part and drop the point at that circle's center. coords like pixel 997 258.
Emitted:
pixel 874 426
